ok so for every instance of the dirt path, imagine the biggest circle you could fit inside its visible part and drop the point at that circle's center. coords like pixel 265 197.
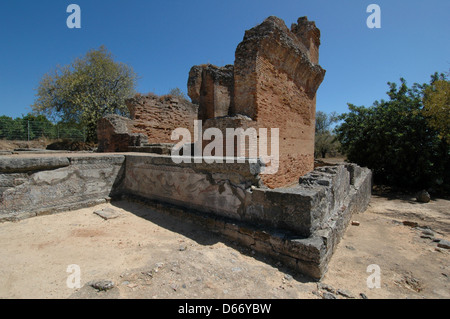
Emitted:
pixel 149 255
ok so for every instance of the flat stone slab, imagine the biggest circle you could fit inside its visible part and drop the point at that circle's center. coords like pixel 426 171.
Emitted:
pixel 444 244
pixel 27 164
pixel 107 213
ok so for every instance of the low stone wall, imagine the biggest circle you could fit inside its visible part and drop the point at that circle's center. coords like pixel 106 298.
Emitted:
pixel 31 186
pixel 212 188
pixel 299 225
pixel 235 191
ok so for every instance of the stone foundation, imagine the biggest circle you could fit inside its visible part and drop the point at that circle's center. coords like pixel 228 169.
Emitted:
pixel 299 225
pixel 32 186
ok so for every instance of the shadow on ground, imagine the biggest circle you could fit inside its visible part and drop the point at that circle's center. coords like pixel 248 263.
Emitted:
pixel 201 234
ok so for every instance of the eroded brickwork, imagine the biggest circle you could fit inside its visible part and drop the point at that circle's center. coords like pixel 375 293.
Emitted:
pixel 212 88
pixel 117 133
pixel 272 84
pixel 157 116
pixel 275 79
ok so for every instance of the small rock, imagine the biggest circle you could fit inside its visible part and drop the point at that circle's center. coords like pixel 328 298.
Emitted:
pixel 174 287
pixel 236 269
pixel 328 295
pixel 326 287
pixel 350 247
pixel 355 223
pixel 444 244
pixel 132 286
pixel 363 296
pixel 410 224
pixel 102 285
pixel 423 196
pixel 288 277
pixel 345 293
pixel 107 213
pixel 428 232
pixel 182 248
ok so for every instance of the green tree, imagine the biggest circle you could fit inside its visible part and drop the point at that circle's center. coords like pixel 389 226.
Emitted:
pixel 6 124
pixel 325 141
pixel 36 126
pixel 395 140
pixel 437 106
pixel 86 90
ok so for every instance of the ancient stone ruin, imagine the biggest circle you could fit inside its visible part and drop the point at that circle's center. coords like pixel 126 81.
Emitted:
pixel 296 216
pixel 153 119
pixel 273 84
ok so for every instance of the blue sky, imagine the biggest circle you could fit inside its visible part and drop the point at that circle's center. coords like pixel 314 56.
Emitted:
pixel 162 40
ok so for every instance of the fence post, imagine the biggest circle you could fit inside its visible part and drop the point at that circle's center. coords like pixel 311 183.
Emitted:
pixel 28 125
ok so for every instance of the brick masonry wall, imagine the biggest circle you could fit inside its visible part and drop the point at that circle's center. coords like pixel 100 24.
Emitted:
pixel 158 116
pixel 276 77
pixel 280 103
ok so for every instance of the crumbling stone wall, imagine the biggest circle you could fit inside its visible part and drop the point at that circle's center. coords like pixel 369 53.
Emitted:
pixel 272 84
pixel 157 116
pixel 212 88
pixel 275 79
pixel 116 134
pixel 152 120
pixel 40 185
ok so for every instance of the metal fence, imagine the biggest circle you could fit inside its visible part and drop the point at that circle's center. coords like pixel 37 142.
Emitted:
pixel 26 130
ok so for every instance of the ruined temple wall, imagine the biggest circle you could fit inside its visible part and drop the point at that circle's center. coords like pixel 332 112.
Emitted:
pixel 276 77
pixel 157 116
pixel 281 104
pixel 211 87
pixel 115 134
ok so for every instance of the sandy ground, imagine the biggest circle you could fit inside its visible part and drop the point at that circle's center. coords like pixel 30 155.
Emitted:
pixel 151 255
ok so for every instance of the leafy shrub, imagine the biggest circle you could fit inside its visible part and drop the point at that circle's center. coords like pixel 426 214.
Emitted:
pixel 394 139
